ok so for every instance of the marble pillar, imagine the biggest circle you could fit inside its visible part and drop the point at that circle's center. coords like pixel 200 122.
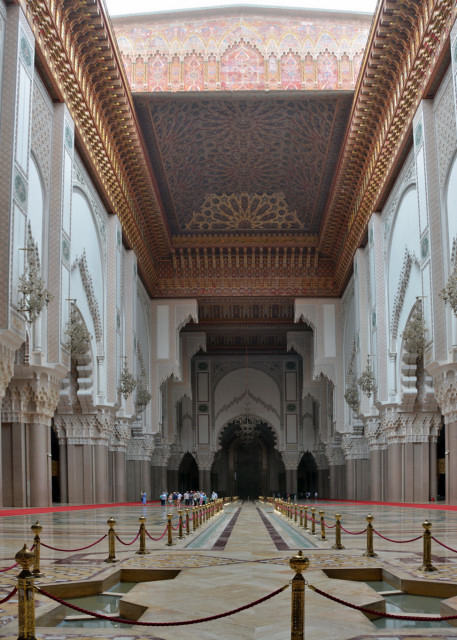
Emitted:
pixel 39 447
pixel 394 469
pixel 377 475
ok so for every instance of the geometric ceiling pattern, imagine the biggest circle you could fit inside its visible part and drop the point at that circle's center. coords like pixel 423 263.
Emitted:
pixel 256 163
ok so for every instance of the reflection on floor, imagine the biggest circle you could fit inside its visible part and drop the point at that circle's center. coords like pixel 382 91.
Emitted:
pixel 235 558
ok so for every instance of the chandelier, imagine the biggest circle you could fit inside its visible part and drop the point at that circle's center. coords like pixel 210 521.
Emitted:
pixel 247 424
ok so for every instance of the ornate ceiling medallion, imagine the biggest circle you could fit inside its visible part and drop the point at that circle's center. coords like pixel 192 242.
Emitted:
pixel 255 211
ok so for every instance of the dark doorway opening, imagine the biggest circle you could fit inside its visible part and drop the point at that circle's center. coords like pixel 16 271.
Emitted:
pixel 307 475
pixel 188 474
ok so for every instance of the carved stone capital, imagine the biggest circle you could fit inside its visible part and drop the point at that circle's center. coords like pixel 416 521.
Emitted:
pixel 291 459
pixel 140 448
pixel 334 454
pixel 160 455
pixel 32 395
pixel 205 460
pixel 120 435
pixel 355 447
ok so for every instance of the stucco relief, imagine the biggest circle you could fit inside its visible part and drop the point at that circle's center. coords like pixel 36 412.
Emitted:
pixel 291 459
pixel 334 454
pixel 42 130
pixel 160 454
pixel 9 343
pixel 31 399
pixel 408 260
pixel 446 131
pixel 204 460
pixel 141 449
pixel 355 447
pixel 86 278
pixel 418 427
pixel 446 393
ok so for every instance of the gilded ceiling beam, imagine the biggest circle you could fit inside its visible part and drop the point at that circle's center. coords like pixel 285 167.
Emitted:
pixel 407 39
pixel 76 42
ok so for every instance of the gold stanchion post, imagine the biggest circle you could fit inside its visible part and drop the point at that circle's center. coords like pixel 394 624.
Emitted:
pixel 301 516
pixel 305 523
pixel 26 595
pixel 111 541
pixel 313 521
pixel 369 553
pixel 187 523
pixel 296 512
pixel 142 550
pixel 338 544
pixel 323 536
pixel 298 564
pixel 170 542
pixel 180 533
pixel 194 518
pixel 37 528
pixel 427 541
pixel 200 515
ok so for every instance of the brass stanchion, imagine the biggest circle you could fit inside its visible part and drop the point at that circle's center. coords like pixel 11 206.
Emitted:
pixel 338 544
pixel 369 553
pixel 200 515
pixel 427 540
pixel 187 523
pixel 323 537
pixel 313 521
pixel 305 523
pixel 194 518
pixel 37 528
pixel 111 541
pixel 296 513
pixel 180 534
pixel 142 550
pixel 170 542
pixel 301 516
pixel 26 595
pixel 298 564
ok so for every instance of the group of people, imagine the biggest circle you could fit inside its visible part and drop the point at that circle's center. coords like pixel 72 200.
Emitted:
pixel 189 498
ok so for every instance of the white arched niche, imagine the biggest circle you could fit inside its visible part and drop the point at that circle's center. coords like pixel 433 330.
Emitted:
pixel 85 240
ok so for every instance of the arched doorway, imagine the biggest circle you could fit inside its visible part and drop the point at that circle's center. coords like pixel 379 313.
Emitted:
pixel 188 473
pixel 307 480
pixel 248 467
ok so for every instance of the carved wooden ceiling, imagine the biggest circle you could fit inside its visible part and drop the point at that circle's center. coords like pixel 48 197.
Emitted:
pixel 237 165
pixel 275 218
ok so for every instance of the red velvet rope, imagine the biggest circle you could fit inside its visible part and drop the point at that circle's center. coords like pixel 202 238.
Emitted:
pixel 353 533
pixel 396 541
pixel 9 596
pixel 127 544
pixel 8 568
pixel 71 550
pixel 175 528
pixel 330 526
pixel 157 539
pixel 443 545
pixel 380 614
pixel 162 624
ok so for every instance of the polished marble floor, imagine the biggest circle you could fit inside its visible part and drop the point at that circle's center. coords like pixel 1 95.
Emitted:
pixel 236 558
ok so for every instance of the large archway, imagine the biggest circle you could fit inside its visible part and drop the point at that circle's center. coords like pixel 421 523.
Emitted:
pixel 248 467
